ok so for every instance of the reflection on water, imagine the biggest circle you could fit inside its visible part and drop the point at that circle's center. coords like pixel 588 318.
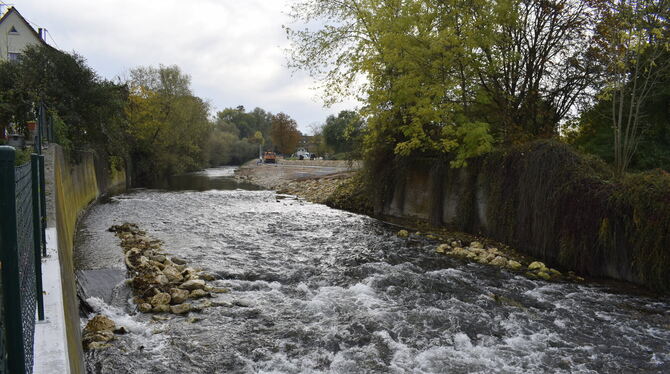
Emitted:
pixel 205 180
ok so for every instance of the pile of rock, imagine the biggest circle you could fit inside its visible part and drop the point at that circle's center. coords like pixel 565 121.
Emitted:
pixel 161 284
pixel 476 251
pixel 314 190
pixel 99 331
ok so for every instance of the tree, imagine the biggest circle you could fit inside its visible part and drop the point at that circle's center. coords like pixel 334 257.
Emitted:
pixel 91 108
pixel 284 133
pixel 408 53
pixel 169 126
pixel 633 39
pixel 343 133
pixel 533 66
pixel 16 102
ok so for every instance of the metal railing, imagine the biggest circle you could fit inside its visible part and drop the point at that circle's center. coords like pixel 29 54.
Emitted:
pixel 21 242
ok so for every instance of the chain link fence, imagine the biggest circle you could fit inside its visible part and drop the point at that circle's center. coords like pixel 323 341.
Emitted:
pixel 26 257
pixel 20 255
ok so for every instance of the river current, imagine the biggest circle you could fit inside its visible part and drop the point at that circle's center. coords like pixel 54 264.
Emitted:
pixel 314 289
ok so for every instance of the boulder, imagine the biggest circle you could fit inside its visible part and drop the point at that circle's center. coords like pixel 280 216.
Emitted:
pixel 161 299
pixel 144 307
pixel 482 259
pixel 159 258
pixel 499 261
pixel 193 284
pixel 172 274
pixel 157 265
pixel 536 265
pixel 554 272
pixel 514 265
pixel 178 295
pixel 196 294
pixel 161 308
pixel 99 323
pixel 220 290
pixel 543 275
pixel 161 279
pixel 403 233
pixel 442 248
pixel 476 245
pixel 180 308
pixel 208 276
pixel 222 303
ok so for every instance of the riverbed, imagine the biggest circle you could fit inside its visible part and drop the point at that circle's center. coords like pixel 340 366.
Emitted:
pixel 314 289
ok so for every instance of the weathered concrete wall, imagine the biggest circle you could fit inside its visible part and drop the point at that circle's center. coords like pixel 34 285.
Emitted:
pixel 75 187
pixel 551 203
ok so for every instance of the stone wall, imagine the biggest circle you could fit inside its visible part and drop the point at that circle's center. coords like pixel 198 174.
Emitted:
pixel 75 187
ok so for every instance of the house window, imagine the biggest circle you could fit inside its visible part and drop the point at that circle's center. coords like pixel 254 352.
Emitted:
pixel 13 31
pixel 11 56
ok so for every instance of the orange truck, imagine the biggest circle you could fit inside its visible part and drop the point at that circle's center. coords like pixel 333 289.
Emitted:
pixel 269 158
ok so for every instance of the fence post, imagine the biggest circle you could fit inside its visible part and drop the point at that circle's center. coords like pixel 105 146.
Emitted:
pixel 40 127
pixel 37 233
pixel 43 205
pixel 10 263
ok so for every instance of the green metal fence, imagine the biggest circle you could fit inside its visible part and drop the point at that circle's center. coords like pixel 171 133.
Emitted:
pixel 21 234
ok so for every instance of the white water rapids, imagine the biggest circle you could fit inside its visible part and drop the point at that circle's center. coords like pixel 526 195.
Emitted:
pixel 315 290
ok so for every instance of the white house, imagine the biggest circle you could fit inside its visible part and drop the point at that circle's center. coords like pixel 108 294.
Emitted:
pixel 16 34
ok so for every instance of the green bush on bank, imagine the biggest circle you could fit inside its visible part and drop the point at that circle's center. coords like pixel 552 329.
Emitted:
pixel 22 156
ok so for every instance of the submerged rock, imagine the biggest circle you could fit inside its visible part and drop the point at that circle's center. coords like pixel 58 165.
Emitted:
pixel 180 308
pixel 197 294
pixel 208 276
pixel 178 261
pixel 193 284
pixel 97 345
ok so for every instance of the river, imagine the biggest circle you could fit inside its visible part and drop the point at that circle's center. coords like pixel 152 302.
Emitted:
pixel 313 289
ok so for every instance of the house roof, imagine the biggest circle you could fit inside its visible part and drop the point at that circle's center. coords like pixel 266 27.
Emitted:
pixel 13 10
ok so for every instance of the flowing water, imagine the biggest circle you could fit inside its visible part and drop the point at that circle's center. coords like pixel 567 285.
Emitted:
pixel 315 289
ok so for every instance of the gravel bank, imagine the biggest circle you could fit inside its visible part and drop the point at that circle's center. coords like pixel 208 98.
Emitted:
pixel 314 180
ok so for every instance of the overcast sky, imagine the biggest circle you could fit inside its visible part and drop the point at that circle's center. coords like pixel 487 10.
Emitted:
pixel 232 49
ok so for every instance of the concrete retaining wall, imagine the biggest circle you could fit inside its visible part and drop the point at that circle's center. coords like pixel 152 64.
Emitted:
pixel 549 202
pixel 75 186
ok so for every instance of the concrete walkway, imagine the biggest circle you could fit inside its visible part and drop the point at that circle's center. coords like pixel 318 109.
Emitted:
pixel 50 339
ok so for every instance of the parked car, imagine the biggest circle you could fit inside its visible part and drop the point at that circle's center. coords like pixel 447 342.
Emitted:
pixel 302 154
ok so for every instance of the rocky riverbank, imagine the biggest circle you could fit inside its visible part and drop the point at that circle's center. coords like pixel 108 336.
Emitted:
pixel 160 284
